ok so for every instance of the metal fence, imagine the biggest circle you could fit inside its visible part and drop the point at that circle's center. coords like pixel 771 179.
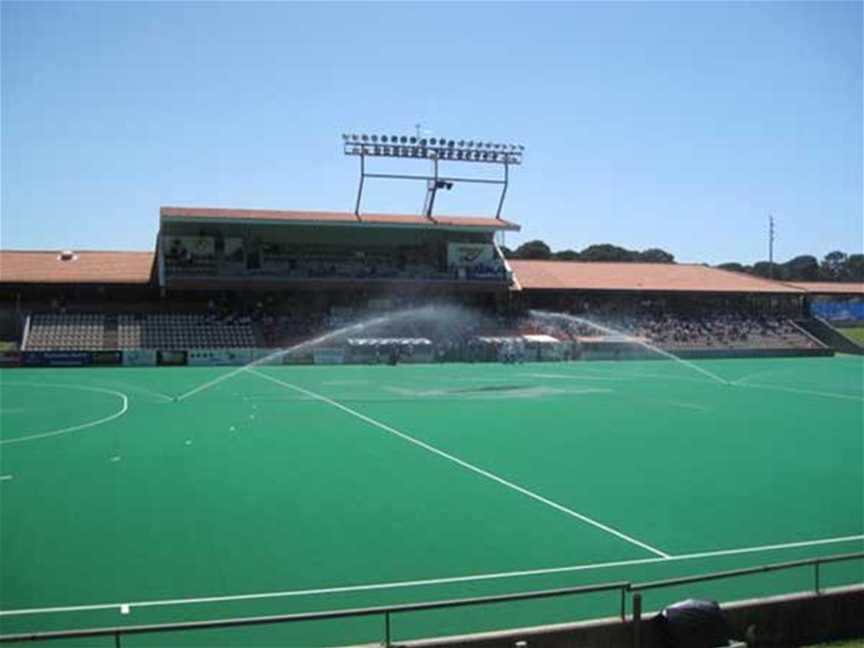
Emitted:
pixel 387 612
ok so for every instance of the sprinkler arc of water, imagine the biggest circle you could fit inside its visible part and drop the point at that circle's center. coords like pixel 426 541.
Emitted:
pixel 438 313
pixel 610 331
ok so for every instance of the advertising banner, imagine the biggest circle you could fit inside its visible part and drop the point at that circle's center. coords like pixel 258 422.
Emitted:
pixel 10 358
pixel 219 357
pixel 464 255
pixel 139 358
pixel 262 354
pixel 105 358
pixel 234 251
pixel 848 310
pixel 329 356
pixel 56 358
pixel 189 254
pixel 170 358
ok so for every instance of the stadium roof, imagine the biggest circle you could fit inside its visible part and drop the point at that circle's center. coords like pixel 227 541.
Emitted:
pixel 181 214
pixel 657 277
pixel 829 287
pixel 116 267
pixel 90 267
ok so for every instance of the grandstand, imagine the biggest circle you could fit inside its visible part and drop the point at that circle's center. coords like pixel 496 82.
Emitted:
pixel 223 278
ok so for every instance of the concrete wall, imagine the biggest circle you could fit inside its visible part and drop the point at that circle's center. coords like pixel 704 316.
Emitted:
pixel 773 622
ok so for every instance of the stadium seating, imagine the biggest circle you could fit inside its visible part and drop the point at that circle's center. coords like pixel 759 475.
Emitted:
pixel 679 332
pixel 66 332
pixel 224 328
pixel 87 332
pixel 184 331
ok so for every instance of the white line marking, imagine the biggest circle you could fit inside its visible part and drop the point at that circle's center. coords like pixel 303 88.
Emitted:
pixel 795 390
pixel 74 428
pixel 690 406
pixel 6 477
pixel 431 581
pixel 465 464
pixel 216 381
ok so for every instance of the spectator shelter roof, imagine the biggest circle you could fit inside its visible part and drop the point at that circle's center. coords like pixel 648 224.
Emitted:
pixel 656 277
pixel 268 216
pixel 116 267
pixel 830 288
pixel 90 267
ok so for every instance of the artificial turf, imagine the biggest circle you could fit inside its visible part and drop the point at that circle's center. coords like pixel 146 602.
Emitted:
pixel 333 487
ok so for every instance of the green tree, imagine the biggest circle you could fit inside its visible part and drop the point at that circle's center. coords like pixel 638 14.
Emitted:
pixel 855 267
pixel 735 267
pixel 656 255
pixel 607 252
pixel 833 266
pixel 533 250
pixel 567 255
pixel 766 269
pixel 801 268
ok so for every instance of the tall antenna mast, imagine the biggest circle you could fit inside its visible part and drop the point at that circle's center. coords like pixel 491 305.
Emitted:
pixel 770 246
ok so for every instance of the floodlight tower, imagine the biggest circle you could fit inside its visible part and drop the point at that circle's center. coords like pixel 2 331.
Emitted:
pixel 436 149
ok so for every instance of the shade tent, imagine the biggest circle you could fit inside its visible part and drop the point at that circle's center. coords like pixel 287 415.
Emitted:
pixel 540 339
pixel 388 342
pixel 491 339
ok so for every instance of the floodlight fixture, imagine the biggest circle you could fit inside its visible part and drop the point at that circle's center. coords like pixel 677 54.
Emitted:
pixel 432 148
pixel 435 150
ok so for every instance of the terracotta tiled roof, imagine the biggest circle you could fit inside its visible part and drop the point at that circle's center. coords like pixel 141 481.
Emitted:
pixel 46 266
pixel 347 218
pixel 830 287
pixel 665 277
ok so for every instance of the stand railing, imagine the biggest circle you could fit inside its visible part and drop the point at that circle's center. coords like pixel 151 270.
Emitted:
pixel 387 612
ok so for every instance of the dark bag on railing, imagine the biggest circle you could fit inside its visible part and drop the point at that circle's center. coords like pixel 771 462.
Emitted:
pixel 693 624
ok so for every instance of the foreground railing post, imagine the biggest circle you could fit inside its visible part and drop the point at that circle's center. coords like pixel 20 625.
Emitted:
pixel 637 619
pixel 816 575
pixel 386 630
pixel 623 603
pixel 116 640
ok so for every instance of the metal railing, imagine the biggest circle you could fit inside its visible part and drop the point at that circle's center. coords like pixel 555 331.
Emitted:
pixel 387 612
pixel 638 588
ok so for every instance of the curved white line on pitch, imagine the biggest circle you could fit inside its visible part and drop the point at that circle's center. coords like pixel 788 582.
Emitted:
pixel 227 598
pixel 74 428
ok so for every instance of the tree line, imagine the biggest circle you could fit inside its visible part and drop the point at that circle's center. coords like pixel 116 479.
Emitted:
pixel 834 266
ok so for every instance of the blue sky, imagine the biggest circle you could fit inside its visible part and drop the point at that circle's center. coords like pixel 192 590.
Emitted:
pixel 679 126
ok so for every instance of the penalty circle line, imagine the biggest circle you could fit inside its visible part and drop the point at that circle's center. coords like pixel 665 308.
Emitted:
pixel 74 428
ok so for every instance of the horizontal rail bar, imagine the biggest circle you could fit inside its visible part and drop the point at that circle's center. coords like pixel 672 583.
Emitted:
pixel 404 176
pixel 416 607
pixel 311 616
pixel 684 580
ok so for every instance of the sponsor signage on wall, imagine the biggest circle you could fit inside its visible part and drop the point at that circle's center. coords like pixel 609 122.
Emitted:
pixel 56 358
pixel 464 255
pixel 219 357
pixel 328 356
pixel 170 358
pixel 139 357
pixel 10 358
pixel 105 358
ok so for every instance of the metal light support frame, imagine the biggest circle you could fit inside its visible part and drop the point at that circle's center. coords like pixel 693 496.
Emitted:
pixel 436 150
